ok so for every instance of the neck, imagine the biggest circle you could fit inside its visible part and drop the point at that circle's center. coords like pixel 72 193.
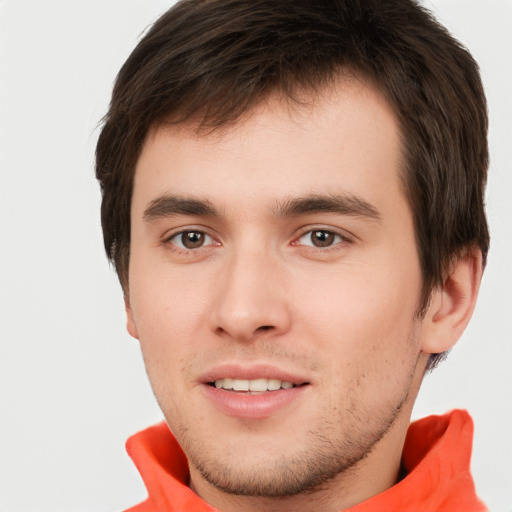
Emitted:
pixel 378 471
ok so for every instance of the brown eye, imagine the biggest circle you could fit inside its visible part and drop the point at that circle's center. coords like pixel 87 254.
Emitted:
pixel 190 240
pixel 320 238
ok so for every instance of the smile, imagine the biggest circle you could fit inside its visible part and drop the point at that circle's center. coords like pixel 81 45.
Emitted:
pixel 254 385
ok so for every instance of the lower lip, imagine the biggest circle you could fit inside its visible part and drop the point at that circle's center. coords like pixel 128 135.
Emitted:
pixel 258 406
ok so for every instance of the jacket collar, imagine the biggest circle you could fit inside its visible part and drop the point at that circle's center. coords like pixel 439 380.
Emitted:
pixel 436 458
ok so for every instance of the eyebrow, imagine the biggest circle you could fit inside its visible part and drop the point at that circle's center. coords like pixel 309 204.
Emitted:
pixel 342 204
pixel 170 205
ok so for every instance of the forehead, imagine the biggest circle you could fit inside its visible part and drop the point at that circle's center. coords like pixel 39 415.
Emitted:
pixel 345 136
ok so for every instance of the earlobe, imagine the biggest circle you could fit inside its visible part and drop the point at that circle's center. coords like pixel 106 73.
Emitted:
pixel 130 321
pixel 452 304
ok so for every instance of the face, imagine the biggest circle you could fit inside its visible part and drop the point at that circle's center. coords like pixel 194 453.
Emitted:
pixel 273 285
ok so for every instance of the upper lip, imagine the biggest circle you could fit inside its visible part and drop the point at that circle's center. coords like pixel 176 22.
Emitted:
pixel 251 372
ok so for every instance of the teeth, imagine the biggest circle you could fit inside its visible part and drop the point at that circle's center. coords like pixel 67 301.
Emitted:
pixel 273 384
pixel 257 385
pixel 240 385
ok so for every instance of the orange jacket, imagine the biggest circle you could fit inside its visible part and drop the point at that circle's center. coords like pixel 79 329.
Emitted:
pixel 436 458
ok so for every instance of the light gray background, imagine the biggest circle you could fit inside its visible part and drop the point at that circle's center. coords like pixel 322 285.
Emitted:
pixel 73 386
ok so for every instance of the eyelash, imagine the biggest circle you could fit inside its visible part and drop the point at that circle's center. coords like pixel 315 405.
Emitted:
pixel 179 236
pixel 337 238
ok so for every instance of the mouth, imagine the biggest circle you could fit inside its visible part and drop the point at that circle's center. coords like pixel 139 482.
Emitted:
pixel 253 386
pixel 255 391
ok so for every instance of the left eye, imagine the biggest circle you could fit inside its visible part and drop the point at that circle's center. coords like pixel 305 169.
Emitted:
pixel 191 239
pixel 320 238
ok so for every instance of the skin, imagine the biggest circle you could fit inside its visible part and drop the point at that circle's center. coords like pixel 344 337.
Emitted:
pixel 254 289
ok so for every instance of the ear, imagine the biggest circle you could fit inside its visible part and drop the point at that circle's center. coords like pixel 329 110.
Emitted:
pixel 130 320
pixel 452 304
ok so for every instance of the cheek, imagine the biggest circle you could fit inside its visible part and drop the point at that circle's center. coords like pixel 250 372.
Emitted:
pixel 168 313
pixel 367 333
pixel 364 317
pixel 164 301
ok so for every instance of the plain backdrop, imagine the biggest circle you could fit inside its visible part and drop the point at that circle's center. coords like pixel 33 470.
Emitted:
pixel 73 386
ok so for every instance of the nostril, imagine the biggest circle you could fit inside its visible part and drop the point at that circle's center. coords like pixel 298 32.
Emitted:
pixel 264 328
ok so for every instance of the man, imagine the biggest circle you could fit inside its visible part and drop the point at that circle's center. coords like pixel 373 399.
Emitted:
pixel 293 200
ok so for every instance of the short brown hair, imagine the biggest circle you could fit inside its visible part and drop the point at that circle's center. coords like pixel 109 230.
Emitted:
pixel 213 60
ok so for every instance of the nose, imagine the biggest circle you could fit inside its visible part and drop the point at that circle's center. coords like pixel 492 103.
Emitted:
pixel 251 297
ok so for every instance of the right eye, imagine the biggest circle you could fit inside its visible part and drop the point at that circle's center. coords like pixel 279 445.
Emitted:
pixel 190 240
